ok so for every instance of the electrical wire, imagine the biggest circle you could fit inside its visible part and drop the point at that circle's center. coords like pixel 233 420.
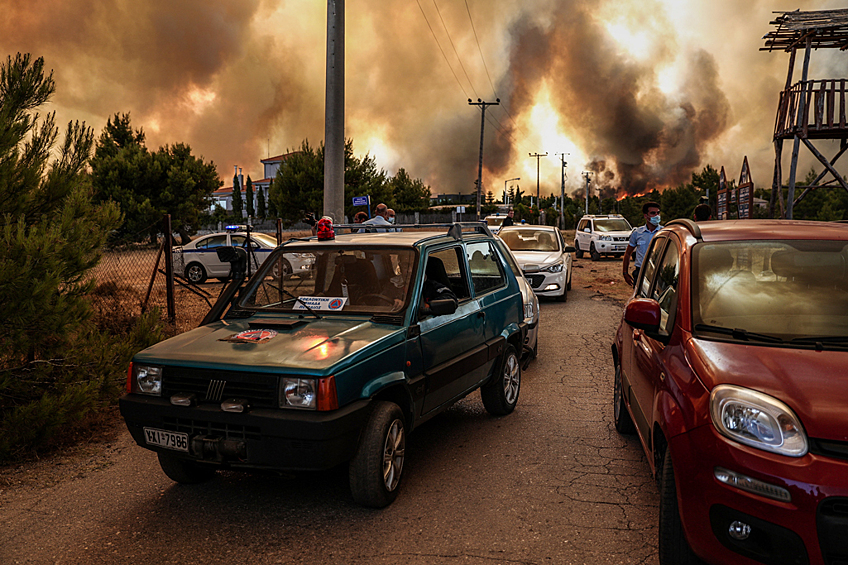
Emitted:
pixel 454 49
pixel 479 50
pixel 442 50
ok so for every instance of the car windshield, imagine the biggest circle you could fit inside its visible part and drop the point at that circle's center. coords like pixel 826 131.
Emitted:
pixel 494 221
pixel 790 290
pixel 265 239
pixel 530 240
pixel 333 279
pixel 612 224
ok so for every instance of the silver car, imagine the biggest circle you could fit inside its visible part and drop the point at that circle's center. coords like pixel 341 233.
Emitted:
pixel 531 306
pixel 542 256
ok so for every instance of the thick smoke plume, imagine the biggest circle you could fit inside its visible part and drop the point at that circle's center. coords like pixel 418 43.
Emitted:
pixel 241 80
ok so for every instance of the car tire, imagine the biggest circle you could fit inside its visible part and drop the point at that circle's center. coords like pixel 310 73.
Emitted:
pixel 578 252
pixel 376 468
pixel 594 253
pixel 184 471
pixel 287 270
pixel 623 422
pixel 673 547
pixel 501 394
pixel 568 284
pixel 564 296
pixel 195 273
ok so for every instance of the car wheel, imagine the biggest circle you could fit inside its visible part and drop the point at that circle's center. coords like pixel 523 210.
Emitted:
pixel 578 252
pixel 195 273
pixel 287 269
pixel 568 285
pixel 375 470
pixel 673 547
pixel 501 394
pixel 594 253
pixel 184 471
pixel 564 296
pixel 623 421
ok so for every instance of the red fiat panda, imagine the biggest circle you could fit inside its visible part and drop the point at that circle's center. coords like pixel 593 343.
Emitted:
pixel 731 365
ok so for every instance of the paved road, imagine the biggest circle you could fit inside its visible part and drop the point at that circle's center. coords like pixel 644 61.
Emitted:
pixel 551 483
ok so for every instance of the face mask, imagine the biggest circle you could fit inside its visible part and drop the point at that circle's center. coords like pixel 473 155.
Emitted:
pixel 655 220
pixel 391 219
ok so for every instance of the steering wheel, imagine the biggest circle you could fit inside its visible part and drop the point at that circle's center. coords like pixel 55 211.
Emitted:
pixel 379 298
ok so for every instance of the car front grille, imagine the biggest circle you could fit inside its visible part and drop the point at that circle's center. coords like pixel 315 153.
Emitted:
pixel 832 524
pixel 535 280
pixel 259 389
pixel 215 429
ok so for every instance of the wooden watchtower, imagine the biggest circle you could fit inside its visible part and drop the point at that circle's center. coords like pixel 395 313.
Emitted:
pixel 809 109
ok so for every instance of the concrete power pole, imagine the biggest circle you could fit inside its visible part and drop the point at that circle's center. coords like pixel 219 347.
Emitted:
pixel 482 127
pixel 562 191
pixel 537 156
pixel 334 140
pixel 586 175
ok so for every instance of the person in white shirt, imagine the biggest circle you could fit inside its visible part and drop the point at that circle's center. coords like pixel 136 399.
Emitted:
pixel 380 219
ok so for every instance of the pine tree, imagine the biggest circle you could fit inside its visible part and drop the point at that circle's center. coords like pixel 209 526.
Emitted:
pixel 54 366
pixel 260 204
pixel 272 208
pixel 248 197
pixel 238 203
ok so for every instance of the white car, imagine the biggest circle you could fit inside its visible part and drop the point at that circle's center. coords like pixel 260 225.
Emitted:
pixel 542 256
pixel 531 306
pixel 494 222
pixel 602 235
pixel 198 259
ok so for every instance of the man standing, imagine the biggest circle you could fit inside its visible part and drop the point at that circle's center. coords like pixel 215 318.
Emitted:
pixel 380 218
pixel 640 238
pixel 508 221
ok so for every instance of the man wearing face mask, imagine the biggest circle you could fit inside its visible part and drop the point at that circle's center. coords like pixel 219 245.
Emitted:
pixel 640 238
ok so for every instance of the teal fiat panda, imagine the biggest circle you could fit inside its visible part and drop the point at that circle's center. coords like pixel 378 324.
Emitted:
pixel 336 363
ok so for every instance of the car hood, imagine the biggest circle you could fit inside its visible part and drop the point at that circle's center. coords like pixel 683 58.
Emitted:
pixel 812 383
pixel 316 346
pixel 529 258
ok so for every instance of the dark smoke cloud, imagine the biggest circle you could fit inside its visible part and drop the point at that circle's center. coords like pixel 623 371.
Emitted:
pixel 241 79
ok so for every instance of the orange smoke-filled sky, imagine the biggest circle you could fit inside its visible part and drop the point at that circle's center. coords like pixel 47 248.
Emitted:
pixel 642 92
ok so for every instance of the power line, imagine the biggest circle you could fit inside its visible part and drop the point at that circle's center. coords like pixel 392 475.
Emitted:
pixel 454 48
pixel 467 9
pixel 440 49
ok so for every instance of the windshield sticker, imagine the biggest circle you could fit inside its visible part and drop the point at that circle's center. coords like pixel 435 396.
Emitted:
pixel 251 336
pixel 322 303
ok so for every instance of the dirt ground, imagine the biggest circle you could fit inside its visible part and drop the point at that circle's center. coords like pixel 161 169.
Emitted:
pixel 604 276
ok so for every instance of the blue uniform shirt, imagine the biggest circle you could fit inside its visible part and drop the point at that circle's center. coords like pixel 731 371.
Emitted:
pixel 640 238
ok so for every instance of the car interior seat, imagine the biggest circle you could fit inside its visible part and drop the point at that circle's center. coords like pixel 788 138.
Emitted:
pixel 436 270
pixel 546 242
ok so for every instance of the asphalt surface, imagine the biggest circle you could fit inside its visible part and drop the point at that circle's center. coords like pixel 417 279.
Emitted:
pixel 551 483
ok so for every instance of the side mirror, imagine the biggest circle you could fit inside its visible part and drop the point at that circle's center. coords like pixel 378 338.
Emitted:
pixel 569 249
pixel 442 306
pixel 644 314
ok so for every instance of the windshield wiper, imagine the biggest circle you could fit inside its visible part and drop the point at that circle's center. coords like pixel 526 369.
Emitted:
pixel 297 299
pixel 738 333
pixel 822 341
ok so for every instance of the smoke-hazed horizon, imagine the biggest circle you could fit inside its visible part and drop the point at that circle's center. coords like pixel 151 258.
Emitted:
pixel 640 94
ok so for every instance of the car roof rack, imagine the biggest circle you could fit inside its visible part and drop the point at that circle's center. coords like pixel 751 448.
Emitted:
pixel 455 229
pixel 690 225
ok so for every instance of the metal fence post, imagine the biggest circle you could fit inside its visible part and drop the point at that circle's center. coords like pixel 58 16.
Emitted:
pixel 169 269
pixel 279 231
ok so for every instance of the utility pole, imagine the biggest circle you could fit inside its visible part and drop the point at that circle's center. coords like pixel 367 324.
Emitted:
pixel 334 113
pixel 537 156
pixel 506 181
pixel 586 175
pixel 482 128
pixel 562 191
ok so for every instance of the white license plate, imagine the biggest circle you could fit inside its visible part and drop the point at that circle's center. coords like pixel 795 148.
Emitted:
pixel 169 440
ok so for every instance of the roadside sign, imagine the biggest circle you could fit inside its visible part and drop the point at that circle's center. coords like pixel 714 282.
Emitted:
pixel 360 200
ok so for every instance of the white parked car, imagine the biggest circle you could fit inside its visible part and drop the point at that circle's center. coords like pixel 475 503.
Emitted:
pixel 542 256
pixel 531 305
pixel 494 222
pixel 602 235
pixel 198 259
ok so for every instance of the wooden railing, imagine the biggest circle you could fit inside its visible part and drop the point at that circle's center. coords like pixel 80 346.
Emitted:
pixel 824 112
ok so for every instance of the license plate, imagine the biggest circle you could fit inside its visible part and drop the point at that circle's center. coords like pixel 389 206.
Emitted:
pixel 163 438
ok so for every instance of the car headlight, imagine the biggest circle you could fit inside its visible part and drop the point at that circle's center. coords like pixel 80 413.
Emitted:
pixel 758 420
pixel 555 268
pixel 146 379
pixel 298 393
pixel 605 238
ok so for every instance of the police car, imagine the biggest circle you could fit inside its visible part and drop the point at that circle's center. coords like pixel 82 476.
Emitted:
pixel 198 260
